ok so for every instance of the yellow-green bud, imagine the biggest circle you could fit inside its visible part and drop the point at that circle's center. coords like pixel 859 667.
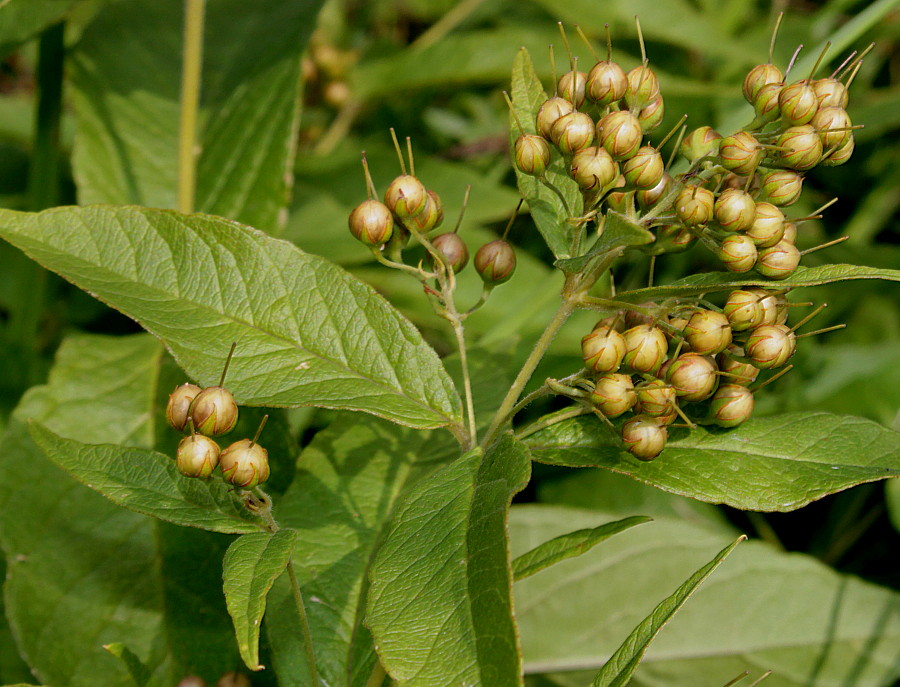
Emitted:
pixel 644 437
pixel 839 156
pixel 648 197
pixel 613 394
pixel 620 133
pixel 740 153
pixel 593 168
pixel 828 118
pixel 735 209
pixel 701 142
pixel 737 252
pixel 782 187
pixel 606 83
pixel 655 398
pixel 571 86
pixel 768 225
pixel 214 411
pixel 765 105
pixel 779 261
pixel 532 154
pixel 693 376
pixel 244 464
pixel 645 169
pixel 652 114
pixel 770 346
pixel 759 76
pixel 802 147
pixel 572 132
pixel 643 87
pixel 197 456
pixel 603 350
pixel 178 408
pixel 371 222
pixel 743 310
pixel 739 372
pixel 731 405
pixel 694 206
pixel 645 348
pixel 798 103
pixel 406 196
pixel 831 93
pixel 549 112
pixel 707 332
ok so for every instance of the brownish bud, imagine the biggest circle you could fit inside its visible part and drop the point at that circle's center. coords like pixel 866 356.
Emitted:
pixel 770 346
pixel 645 169
pixel 454 250
pixel 214 411
pixel 731 405
pixel 406 196
pixel 613 394
pixel 707 332
pixel 831 93
pixel 197 456
pixel 549 112
pixel 178 408
pixel 620 133
pixel 532 154
pixel 693 376
pixel 648 197
pixel 495 262
pixel 372 223
pixel 572 132
pixel 606 83
pixel 759 76
pixel 593 168
pixel 644 437
pixel 244 464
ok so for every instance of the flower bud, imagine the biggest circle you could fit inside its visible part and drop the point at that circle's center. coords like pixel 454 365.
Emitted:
pixel 768 302
pixel 803 147
pixel 782 187
pixel 765 105
pixel 768 225
pixel 655 398
pixel 571 86
pixel 606 83
pixel 694 206
pixel 197 456
pixel 790 233
pixel 759 76
pixel 645 169
pixel 648 197
pixel 433 212
pixel 707 332
pixel 613 394
pixel 737 252
pixel 454 250
pixel 740 153
pixel 798 103
pixel 177 410
pixel 731 405
pixel 603 350
pixel 770 346
pixel 592 168
pixel 735 210
pixel 839 156
pixel 652 114
pixel 618 200
pixel 743 310
pixel 643 87
pixel 214 411
pixel 739 372
pixel 405 196
pixel 700 143
pixel 372 223
pixel 644 437
pixel 549 112
pixel 620 133
pixel 532 154
pixel 674 238
pixel 693 376
pixel 831 93
pixel 779 261
pixel 645 348
pixel 633 317
pixel 679 322
pixel 245 464
pixel 611 322
pixel 495 262
pixel 832 118
pixel 572 132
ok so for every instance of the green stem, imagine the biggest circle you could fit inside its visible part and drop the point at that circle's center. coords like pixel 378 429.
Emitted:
pixel 304 625
pixel 550 420
pixel 467 381
pixel 376 677
pixel 43 172
pixel 558 193
pixel 192 61
pixel 445 24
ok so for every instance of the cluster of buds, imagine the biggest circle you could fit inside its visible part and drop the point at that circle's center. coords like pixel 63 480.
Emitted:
pixel 210 412
pixel 683 361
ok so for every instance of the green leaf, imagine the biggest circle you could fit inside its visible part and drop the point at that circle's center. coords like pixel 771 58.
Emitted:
pixel 125 75
pixel 23 19
pixel 148 482
pixel 618 233
pixel 308 333
pixel 251 566
pixel 764 610
pixel 711 282
pixel 440 582
pixel 546 208
pixel 619 669
pixel 138 671
pixel 767 464
pixel 568 546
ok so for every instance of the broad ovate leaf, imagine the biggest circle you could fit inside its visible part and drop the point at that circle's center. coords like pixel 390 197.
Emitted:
pixel 307 332
pixel 767 464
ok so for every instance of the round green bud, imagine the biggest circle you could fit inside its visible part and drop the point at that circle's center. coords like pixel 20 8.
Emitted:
pixel 593 168
pixel 765 105
pixel 798 103
pixel 831 93
pixel 759 76
pixel 178 407
pixel 606 83
pixel 839 156
pixel 643 87
pixel 826 120
pixel 674 238
pixel 693 376
pixel 645 169
pixel 572 132
pixel 768 302
pixel 694 206
pixel 454 250
pixel 549 112
pixel 701 142
pixel 770 346
pixel 371 222
pixel 802 147
pixel 618 200
pixel 652 114
pixel 571 86
pixel 495 262
pixel 737 252
pixel 735 210
pixel 644 437
pixel 197 456
pixel 740 153
pixel 244 464
pixel 532 154
pixel 731 405
pixel 214 411
pixel 782 187
pixel 655 398
pixel 620 133
pixel 768 225
pixel 779 261
pixel 790 233
pixel 405 196
pixel 603 350
pixel 645 348
pixel 613 394
pixel 433 212
pixel 743 310
pixel 738 371
pixel 648 197
pixel 707 332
